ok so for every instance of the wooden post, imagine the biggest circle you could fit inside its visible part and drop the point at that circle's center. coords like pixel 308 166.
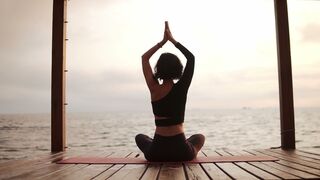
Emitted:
pixel 284 75
pixel 58 140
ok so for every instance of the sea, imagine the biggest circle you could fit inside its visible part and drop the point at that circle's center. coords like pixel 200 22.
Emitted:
pixel 26 135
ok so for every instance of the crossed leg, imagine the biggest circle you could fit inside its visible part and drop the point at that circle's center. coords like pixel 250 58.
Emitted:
pixel 197 140
pixel 143 142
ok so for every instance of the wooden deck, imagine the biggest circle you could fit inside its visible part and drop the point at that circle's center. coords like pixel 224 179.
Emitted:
pixel 296 164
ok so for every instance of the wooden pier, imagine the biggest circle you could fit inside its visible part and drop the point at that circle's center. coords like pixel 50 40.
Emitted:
pixel 294 164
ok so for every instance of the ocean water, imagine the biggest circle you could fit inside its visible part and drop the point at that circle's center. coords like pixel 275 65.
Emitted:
pixel 24 135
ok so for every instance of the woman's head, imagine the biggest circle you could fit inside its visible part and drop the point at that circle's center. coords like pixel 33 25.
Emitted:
pixel 168 67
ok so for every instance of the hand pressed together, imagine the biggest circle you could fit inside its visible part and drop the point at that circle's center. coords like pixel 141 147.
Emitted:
pixel 167 35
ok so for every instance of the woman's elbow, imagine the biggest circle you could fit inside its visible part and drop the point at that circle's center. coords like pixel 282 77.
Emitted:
pixel 144 57
pixel 191 57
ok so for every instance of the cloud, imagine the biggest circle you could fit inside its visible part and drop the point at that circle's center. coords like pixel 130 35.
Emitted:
pixel 30 91
pixel 254 87
pixel 24 87
pixel 25 49
pixel 103 56
pixel 107 90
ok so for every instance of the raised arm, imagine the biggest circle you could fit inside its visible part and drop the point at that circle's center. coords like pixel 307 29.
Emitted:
pixel 186 78
pixel 147 70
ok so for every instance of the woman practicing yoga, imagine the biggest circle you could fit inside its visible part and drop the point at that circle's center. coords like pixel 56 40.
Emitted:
pixel 168 103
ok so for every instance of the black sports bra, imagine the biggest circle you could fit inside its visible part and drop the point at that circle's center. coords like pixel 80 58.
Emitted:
pixel 173 104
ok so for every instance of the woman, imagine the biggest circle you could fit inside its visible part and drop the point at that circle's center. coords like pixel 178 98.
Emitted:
pixel 168 103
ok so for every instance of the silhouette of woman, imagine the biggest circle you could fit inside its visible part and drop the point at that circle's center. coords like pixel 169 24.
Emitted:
pixel 168 103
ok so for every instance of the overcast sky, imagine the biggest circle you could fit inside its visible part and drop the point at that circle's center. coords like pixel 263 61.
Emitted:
pixel 233 42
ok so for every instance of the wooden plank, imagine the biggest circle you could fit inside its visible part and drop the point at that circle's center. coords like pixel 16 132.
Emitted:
pixel 271 170
pixel 172 171
pixel 152 172
pixel 300 167
pixel 29 160
pixel 287 169
pixel 314 151
pixel 291 163
pixel 108 173
pixel 297 154
pixel 31 157
pixel 90 170
pixel 291 159
pixel 284 75
pixel 32 165
pixel 62 173
pixel 195 171
pixel 21 171
pixel 307 154
pixel 296 166
pixel 276 172
pixel 252 169
pixel 213 170
pixel 43 171
pixel 235 172
pixel 231 169
pixel 292 171
pixel 113 169
pixel 130 171
pixel 58 135
pixel 256 171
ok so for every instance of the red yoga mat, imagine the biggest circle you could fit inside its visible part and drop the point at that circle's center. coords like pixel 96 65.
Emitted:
pixel 209 159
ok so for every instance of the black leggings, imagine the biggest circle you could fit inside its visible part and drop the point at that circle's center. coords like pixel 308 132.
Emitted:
pixel 170 148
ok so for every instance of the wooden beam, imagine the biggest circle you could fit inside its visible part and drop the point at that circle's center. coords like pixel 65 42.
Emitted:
pixel 284 75
pixel 58 140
